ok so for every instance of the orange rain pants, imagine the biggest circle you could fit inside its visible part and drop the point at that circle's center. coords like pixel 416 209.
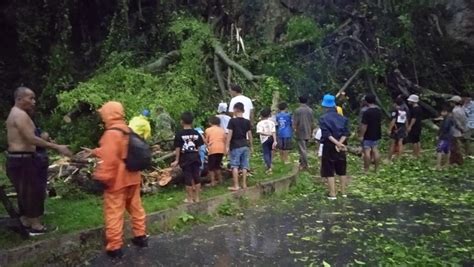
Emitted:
pixel 115 204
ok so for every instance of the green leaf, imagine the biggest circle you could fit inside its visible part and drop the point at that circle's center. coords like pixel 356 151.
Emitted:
pixel 325 264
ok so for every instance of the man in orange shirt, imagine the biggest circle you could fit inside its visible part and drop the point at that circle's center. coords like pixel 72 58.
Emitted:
pixel 122 187
pixel 215 139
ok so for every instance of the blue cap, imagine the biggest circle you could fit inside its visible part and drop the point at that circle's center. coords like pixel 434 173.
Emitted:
pixel 329 101
pixel 146 113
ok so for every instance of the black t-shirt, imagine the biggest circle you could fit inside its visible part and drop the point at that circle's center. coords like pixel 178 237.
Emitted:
pixel 373 119
pixel 189 141
pixel 416 113
pixel 239 127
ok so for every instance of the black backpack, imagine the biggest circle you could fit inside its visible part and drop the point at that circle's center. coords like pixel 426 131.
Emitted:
pixel 139 152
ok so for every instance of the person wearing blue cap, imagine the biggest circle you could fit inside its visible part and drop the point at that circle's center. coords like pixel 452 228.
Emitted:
pixel 141 125
pixel 334 134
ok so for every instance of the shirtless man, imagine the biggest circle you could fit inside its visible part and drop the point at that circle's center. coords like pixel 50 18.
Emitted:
pixel 22 163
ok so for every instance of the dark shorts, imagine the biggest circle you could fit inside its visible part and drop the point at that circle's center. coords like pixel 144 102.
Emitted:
pixel 285 143
pixel 444 146
pixel 214 162
pixel 399 134
pixel 23 172
pixel 332 162
pixel 414 136
pixel 42 162
pixel 192 173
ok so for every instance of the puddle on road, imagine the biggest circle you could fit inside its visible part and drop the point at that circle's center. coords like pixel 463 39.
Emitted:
pixel 310 230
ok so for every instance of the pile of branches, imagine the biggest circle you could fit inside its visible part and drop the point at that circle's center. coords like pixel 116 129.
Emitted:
pixel 77 172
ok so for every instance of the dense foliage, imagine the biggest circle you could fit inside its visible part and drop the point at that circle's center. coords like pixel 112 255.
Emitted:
pixel 74 60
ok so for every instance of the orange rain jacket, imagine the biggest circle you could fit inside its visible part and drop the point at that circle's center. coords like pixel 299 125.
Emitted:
pixel 112 150
pixel 123 187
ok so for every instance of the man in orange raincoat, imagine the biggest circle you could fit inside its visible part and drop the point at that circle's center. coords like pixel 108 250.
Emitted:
pixel 122 187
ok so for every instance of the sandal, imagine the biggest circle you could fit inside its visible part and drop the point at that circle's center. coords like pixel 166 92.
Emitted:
pixel 44 230
pixel 234 189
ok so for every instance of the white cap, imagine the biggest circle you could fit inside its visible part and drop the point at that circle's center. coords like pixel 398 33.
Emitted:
pixel 413 98
pixel 455 99
pixel 222 107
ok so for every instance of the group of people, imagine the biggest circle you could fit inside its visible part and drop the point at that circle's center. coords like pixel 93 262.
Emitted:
pixel 27 164
pixel 229 134
pixel 455 129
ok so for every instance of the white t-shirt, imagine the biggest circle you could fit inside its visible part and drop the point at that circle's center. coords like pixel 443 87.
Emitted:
pixel 318 136
pixel 244 100
pixel 224 121
pixel 265 128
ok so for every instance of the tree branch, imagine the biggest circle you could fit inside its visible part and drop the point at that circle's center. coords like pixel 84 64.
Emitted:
pixel 218 73
pixel 348 82
pixel 403 84
pixel 370 83
pixel 354 39
pixel 162 62
pixel 297 42
pixel 219 51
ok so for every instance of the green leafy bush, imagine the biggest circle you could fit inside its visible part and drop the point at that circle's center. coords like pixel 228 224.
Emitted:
pixel 269 86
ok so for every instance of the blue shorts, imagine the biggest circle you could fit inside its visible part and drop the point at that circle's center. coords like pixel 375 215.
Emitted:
pixel 443 146
pixel 369 144
pixel 239 158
